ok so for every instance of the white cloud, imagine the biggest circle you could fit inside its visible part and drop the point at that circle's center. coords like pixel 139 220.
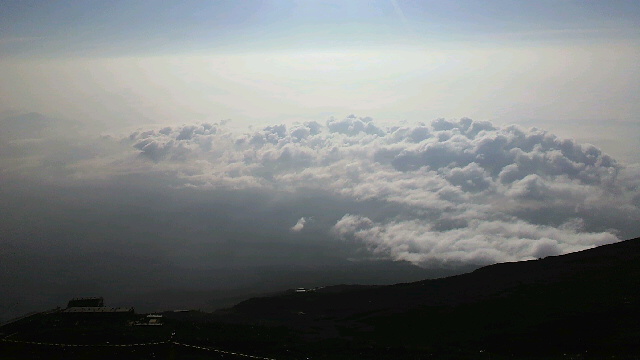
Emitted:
pixel 463 191
pixel 299 225
pixel 478 242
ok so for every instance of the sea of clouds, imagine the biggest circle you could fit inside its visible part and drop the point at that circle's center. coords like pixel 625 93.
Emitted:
pixel 463 191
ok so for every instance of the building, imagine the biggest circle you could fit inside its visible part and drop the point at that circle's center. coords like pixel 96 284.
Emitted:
pixel 97 309
pixel 86 302
pixel 91 307
pixel 150 320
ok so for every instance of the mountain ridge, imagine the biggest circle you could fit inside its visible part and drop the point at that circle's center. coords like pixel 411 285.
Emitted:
pixel 582 298
pixel 583 305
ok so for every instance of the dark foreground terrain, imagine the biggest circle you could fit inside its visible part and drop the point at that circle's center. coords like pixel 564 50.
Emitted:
pixel 584 305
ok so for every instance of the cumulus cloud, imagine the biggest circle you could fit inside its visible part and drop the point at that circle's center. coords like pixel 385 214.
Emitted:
pixel 464 191
pixel 175 143
pixel 299 225
pixel 437 194
pixel 478 242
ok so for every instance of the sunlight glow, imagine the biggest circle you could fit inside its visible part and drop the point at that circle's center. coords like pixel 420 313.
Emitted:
pixel 393 83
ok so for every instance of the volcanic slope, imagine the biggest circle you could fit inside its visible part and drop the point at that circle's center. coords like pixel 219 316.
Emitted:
pixel 583 302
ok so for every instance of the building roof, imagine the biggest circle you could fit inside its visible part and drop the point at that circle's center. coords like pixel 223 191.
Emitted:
pixel 86 302
pixel 97 309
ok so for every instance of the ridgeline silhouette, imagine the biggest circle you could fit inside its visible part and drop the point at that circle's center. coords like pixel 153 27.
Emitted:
pixel 580 305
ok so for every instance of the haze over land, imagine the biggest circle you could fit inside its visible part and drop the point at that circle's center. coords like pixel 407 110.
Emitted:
pixel 147 148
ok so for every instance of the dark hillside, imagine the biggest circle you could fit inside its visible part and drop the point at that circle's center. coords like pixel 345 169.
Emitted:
pixel 583 305
pixel 584 301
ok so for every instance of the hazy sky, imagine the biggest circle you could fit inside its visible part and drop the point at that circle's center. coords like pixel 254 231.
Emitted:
pixel 555 64
pixel 148 138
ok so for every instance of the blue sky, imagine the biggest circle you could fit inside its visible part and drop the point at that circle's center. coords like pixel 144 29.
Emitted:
pixel 133 27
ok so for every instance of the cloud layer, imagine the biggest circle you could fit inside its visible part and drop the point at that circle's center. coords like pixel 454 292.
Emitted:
pixel 463 191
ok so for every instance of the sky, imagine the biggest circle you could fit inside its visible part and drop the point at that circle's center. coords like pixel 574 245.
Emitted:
pixel 150 148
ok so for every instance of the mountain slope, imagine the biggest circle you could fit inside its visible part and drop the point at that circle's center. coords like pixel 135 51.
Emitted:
pixel 584 301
